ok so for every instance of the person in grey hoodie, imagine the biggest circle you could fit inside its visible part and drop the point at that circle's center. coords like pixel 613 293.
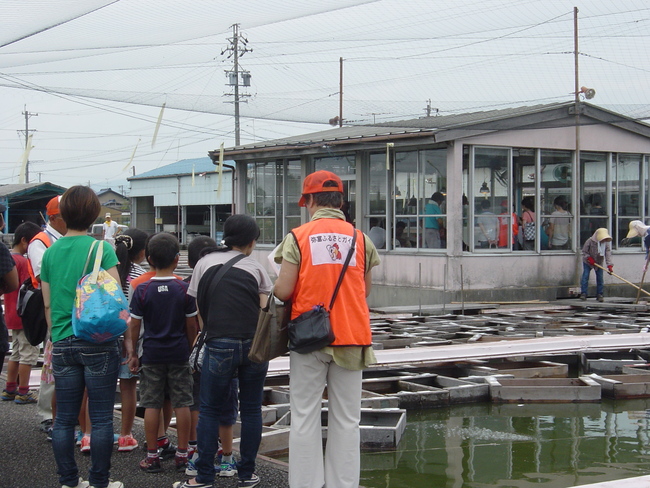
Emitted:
pixel 596 250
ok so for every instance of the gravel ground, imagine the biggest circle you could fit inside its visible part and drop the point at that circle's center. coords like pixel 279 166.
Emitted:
pixel 27 461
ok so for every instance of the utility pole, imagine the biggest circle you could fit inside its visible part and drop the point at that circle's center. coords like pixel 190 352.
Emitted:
pixel 341 92
pixel 236 48
pixel 429 109
pixel 27 116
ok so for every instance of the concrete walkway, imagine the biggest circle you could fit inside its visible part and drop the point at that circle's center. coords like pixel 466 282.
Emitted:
pixel 27 461
pixel 640 482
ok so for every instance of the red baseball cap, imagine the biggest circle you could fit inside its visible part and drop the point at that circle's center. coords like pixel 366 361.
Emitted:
pixel 52 206
pixel 314 184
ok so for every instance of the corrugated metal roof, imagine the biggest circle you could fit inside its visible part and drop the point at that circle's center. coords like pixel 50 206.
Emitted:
pixel 19 189
pixel 341 133
pixel 424 126
pixel 460 120
pixel 182 167
pixel 411 126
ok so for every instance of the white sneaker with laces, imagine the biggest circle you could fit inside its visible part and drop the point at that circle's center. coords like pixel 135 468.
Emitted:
pixel 112 484
pixel 80 484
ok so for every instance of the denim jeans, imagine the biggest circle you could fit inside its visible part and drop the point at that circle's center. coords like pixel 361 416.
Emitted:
pixel 225 359
pixel 80 365
pixel 584 283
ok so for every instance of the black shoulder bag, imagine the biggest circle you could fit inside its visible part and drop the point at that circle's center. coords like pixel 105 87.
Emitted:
pixel 311 331
pixel 196 354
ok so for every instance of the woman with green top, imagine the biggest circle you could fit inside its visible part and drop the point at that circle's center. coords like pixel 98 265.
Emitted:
pixel 79 365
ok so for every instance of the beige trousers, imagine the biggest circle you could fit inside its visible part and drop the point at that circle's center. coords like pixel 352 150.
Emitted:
pixel 310 373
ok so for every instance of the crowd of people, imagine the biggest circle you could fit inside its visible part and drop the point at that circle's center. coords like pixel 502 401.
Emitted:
pixel 220 303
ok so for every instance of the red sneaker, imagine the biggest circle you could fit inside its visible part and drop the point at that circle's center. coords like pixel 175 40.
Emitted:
pixel 151 465
pixel 126 443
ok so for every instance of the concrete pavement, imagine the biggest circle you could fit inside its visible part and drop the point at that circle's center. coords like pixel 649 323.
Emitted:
pixel 27 461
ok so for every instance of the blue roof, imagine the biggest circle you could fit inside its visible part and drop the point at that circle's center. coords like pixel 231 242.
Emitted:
pixel 182 167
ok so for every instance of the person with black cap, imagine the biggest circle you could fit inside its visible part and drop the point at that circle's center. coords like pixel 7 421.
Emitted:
pixel 311 258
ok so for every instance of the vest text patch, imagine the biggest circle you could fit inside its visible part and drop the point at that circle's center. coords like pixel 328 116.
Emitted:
pixel 330 248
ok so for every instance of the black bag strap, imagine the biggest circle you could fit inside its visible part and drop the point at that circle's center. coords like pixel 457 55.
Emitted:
pixel 215 281
pixel 223 270
pixel 345 267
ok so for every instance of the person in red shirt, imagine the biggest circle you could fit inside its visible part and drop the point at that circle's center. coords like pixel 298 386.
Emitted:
pixel 23 355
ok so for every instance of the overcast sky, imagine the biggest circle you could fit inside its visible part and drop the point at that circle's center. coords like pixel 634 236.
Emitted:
pixel 97 72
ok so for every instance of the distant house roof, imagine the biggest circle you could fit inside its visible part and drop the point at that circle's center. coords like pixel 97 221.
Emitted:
pixel 106 191
pixel 439 129
pixel 180 168
pixel 24 190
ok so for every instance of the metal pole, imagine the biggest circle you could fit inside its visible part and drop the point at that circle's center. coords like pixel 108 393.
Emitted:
pixel 420 289
pixel 178 211
pixel 444 290
pixel 235 36
pixel 645 268
pixel 638 293
pixel 462 292
pixel 340 92
pixel 576 162
pixel 27 116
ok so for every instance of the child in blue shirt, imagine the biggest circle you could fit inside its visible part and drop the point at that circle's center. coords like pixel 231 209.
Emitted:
pixel 167 312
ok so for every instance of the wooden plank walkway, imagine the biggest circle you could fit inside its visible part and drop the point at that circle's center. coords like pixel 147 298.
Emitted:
pixel 524 347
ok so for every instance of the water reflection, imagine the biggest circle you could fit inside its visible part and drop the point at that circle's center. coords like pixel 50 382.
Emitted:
pixel 542 445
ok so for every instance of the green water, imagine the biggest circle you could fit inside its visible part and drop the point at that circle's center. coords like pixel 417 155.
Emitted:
pixel 516 446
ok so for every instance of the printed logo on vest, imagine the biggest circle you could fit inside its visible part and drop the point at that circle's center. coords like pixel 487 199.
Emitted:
pixel 330 248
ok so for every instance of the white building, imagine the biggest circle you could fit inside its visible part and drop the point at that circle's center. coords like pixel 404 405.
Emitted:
pixel 187 198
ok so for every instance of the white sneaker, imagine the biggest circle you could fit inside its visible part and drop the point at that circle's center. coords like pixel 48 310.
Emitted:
pixel 80 484
pixel 112 484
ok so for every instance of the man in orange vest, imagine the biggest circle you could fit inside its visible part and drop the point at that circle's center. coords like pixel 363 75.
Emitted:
pixel 55 228
pixel 311 258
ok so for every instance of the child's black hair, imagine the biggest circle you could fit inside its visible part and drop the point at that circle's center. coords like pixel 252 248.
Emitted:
pixel 195 247
pixel 238 230
pixel 127 247
pixel 27 231
pixel 162 249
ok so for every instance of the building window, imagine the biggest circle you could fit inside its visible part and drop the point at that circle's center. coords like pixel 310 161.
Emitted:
pixel 555 200
pixel 419 203
pixel 594 204
pixel 629 195
pixel 272 193
pixel 292 190
pixel 487 180
pixel 344 166
pixel 376 216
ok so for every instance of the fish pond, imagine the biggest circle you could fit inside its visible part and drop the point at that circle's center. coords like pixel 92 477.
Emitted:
pixel 515 446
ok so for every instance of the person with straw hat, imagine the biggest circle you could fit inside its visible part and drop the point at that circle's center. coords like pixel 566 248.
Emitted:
pixel 596 250
pixel 639 229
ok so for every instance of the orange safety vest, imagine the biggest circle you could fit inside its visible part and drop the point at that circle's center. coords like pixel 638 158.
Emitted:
pixel 45 239
pixel 503 230
pixel 324 244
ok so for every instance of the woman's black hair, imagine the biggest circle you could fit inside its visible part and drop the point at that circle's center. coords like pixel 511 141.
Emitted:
pixel 561 202
pixel 529 203
pixel 127 247
pixel 238 230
